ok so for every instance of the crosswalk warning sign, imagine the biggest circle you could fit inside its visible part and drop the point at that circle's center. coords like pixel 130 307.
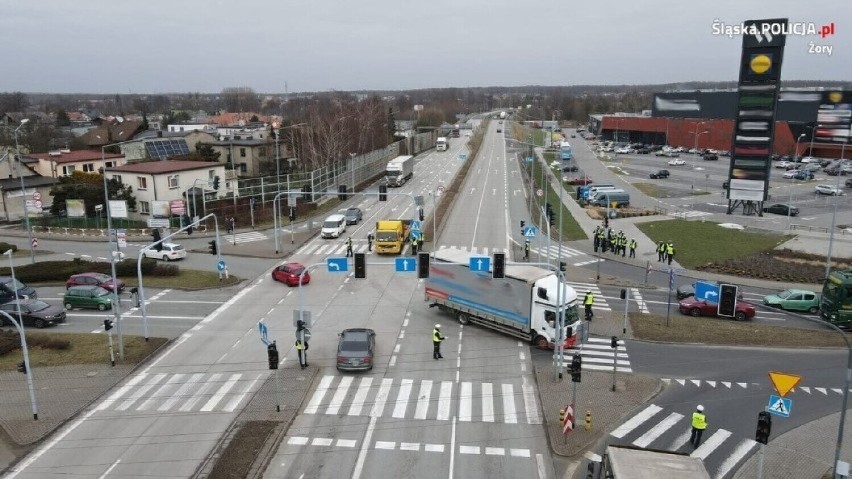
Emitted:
pixel 779 406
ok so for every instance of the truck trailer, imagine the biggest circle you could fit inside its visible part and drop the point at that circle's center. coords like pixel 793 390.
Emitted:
pixel 523 304
pixel 399 170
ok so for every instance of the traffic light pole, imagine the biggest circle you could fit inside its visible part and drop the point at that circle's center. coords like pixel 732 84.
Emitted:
pixel 27 369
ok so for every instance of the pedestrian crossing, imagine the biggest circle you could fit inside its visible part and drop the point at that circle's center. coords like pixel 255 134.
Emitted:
pixel 597 355
pixel 184 392
pixel 600 303
pixel 467 449
pixel 552 252
pixel 658 428
pixel 689 214
pixel 818 391
pixel 326 248
pixel 487 402
pixel 247 237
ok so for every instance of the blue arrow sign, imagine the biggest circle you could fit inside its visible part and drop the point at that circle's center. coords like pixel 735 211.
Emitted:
pixel 415 225
pixel 529 231
pixel 779 406
pixel 264 333
pixel 221 265
pixel 707 291
pixel 336 265
pixel 405 264
pixel 480 263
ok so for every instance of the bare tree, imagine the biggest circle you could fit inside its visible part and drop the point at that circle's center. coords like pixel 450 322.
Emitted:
pixel 240 99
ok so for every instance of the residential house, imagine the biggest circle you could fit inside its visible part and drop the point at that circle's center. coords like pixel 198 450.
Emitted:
pixel 57 163
pixel 247 157
pixel 109 133
pixel 36 190
pixel 165 181
pixel 181 127
pixel 161 145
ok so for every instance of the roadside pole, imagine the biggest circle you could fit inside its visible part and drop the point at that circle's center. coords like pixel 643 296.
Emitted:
pixel 111 351
pixel 614 344
pixel 669 300
pixel 626 295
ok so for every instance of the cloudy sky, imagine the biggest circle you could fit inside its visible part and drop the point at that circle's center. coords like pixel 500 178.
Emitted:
pixel 156 46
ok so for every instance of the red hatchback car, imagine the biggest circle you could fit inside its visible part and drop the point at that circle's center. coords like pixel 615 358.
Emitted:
pixel 288 273
pixel 94 279
pixel 703 307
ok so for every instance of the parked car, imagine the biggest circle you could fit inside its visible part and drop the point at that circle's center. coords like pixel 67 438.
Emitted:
pixel 849 183
pixel 828 190
pixel 288 273
pixel 668 154
pixel 811 167
pixel 676 162
pixel 34 312
pixel 87 297
pixel 784 164
pixel 659 175
pixel 11 289
pixel 710 157
pixel 790 174
pixel 353 216
pixel 355 349
pixel 794 300
pixel 568 168
pixel 704 307
pixel 804 175
pixel 624 150
pixel 810 159
pixel 781 209
pixel 643 151
pixel 170 252
pixel 97 279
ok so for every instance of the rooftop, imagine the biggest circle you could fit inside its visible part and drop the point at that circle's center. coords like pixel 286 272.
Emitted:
pixel 157 167
pixel 69 156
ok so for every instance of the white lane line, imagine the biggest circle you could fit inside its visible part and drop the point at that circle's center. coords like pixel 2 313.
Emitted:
pixel 178 395
pixel 409 446
pixel 161 392
pixel 402 398
pixel 210 384
pixel 541 466
pixel 487 403
pixel 231 406
pixel 465 398
pixel 530 404
pixel 316 399
pixel 423 399
pixel 433 447
pixel 445 401
pixel 519 452
pixel 385 445
pixel 495 451
pixel 214 400
pixel 468 449
pixel 140 392
pixel 322 441
pixel 339 395
pixel 362 454
pixel 346 443
pixel 635 421
pixel 452 448
pixel 106 473
pixel 360 396
pixel 711 444
pixel 297 441
pixel 510 416
pixel 120 392
pixel 658 430
pixel 740 452
pixel 381 398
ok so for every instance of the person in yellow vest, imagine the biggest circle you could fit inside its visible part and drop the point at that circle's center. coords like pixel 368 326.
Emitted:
pixel 670 251
pixel 436 342
pixel 661 252
pixel 303 355
pixel 349 247
pixel 699 424
pixel 632 247
pixel 588 301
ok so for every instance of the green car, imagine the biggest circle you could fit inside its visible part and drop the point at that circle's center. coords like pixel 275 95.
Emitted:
pixel 88 296
pixel 794 300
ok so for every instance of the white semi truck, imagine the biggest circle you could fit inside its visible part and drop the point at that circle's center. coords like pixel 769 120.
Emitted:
pixel 399 170
pixel 442 144
pixel 523 304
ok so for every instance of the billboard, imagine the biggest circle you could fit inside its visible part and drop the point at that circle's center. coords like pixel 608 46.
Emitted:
pixel 160 209
pixel 75 208
pixel 834 117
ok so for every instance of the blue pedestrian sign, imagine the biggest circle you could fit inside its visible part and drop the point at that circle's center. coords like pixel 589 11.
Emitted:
pixel 528 159
pixel 707 291
pixel 405 264
pixel 415 225
pixel 529 231
pixel 221 265
pixel 480 263
pixel 462 156
pixel 336 265
pixel 415 234
pixel 779 406
pixel 264 333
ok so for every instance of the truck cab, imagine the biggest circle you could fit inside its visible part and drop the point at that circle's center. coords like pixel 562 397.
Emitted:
pixel 391 236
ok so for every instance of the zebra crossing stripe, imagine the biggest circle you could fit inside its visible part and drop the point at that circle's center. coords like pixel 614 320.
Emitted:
pixel 530 405
pixel 681 440
pixel 360 396
pixel 635 421
pixel 170 384
pixel 739 453
pixel 487 403
pixel 381 397
pixel 711 444
pixel 444 399
pixel 509 414
pixel 402 399
pixel 140 392
pixel 121 392
pixel 465 397
pixel 200 393
pixel 640 303
pixel 658 430
pixel 218 395
pixel 339 396
pixel 235 401
pixel 190 383
pixel 316 399
pixel 423 399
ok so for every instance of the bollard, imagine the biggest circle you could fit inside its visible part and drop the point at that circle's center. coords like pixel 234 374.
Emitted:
pixel 588 420
pixel 562 416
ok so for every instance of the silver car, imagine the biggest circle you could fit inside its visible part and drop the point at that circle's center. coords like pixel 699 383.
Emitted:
pixel 353 216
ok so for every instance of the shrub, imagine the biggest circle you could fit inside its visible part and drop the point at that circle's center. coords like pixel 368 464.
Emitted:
pixel 53 271
pixel 6 247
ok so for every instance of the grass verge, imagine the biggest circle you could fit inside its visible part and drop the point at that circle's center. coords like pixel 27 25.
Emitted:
pixel 698 243
pixel 83 348
pixel 571 230
pixel 725 332
pixel 185 279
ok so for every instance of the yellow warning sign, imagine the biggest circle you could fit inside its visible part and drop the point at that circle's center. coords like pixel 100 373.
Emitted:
pixel 784 382
pixel 760 64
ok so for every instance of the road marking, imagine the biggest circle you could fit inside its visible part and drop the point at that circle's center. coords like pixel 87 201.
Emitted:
pixel 179 394
pixel 542 468
pixel 510 416
pixel 402 399
pixel 530 404
pixel 316 399
pixel 322 441
pixel 409 446
pixel 339 395
pixel 495 451
pixel 385 445
pixel 360 396
pixel 433 447
pixel 519 452
pixel 635 421
pixel 487 403
pixel 452 448
pixel 444 400
pixel 141 392
pixel 201 392
pixel 346 443
pixel 711 444
pixel 742 449
pixel 381 398
pixel 465 397
pixel 297 441
pixel 423 399
pixel 658 430
pixel 161 392
pixel 362 454
pixel 213 401
pixel 106 473
pixel 120 392
pixel 468 449
pixel 236 400
pixel 592 456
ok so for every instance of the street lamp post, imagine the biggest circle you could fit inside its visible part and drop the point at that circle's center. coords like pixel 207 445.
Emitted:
pixel 112 258
pixel 790 206
pixel 833 218
pixel 695 141
pixel 19 325
pixel 23 190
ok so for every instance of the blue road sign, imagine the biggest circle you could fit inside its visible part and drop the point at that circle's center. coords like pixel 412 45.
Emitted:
pixel 336 265
pixel 415 225
pixel 405 264
pixel 264 333
pixel 528 159
pixel 707 291
pixel 221 265
pixel 480 263
pixel 415 234
pixel 779 406
pixel 529 231
pixel 462 156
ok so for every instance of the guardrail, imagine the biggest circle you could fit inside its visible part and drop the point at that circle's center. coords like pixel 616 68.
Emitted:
pixel 820 229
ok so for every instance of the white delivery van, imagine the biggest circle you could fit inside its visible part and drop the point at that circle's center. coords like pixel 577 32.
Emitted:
pixel 333 226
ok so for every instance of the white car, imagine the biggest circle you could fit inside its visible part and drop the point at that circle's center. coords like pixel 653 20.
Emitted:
pixel 625 150
pixel 790 173
pixel 783 164
pixel 810 159
pixel 828 190
pixel 170 252
pixel 676 162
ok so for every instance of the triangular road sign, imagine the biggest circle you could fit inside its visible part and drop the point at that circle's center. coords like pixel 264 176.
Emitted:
pixel 784 382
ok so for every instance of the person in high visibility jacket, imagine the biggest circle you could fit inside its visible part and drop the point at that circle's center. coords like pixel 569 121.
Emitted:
pixel 699 424
pixel 303 355
pixel 349 247
pixel 436 342
pixel 632 247
pixel 670 251
pixel 588 301
pixel 661 252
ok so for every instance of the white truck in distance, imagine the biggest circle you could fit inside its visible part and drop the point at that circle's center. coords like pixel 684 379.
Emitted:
pixel 523 304
pixel 442 144
pixel 502 115
pixel 399 170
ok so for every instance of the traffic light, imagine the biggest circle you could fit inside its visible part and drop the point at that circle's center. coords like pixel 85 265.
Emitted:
pixel 764 427
pixel 422 265
pixel 212 246
pixel 306 192
pixel 563 266
pixel 548 209
pixel 300 325
pixel 623 293
pixel 292 214
pixel 523 223
pixel 422 215
pixel 499 270
pixel 272 353
pixel 360 265
pixel 576 368
pixel 551 218
pixel 22 367
pixel 341 192
pixel 155 233
pixel 216 182
pixel 727 300
pixel 613 342
pixel 107 324
pixel 383 192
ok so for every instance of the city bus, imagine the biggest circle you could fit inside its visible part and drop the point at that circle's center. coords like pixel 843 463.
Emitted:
pixel 835 306
pixel 565 151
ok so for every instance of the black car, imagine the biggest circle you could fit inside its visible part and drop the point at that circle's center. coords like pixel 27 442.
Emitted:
pixel 710 157
pixel 781 209
pixel 849 183
pixel 568 168
pixel 353 216
pixel 11 289
pixel 643 151
pixel 34 312
pixel 659 174
pixel 355 349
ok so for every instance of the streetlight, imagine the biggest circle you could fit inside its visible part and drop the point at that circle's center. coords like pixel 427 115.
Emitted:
pixel 834 217
pixel 112 257
pixel 19 325
pixel 23 190
pixel 790 206
pixel 695 145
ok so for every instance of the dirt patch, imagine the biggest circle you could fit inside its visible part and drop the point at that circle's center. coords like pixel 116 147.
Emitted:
pixel 236 460
pixel 778 265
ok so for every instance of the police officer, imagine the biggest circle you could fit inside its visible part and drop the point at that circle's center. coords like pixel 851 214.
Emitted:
pixel 670 251
pixel 622 243
pixel 596 239
pixel 349 247
pixel 661 252
pixel 588 301
pixel 602 240
pixel 414 245
pixel 526 249
pixel 369 242
pixel 632 247
pixel 303 355
pixel 436 342
pixel 699 424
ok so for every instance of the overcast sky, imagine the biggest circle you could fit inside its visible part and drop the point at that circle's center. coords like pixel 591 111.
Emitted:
pixel 157 46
